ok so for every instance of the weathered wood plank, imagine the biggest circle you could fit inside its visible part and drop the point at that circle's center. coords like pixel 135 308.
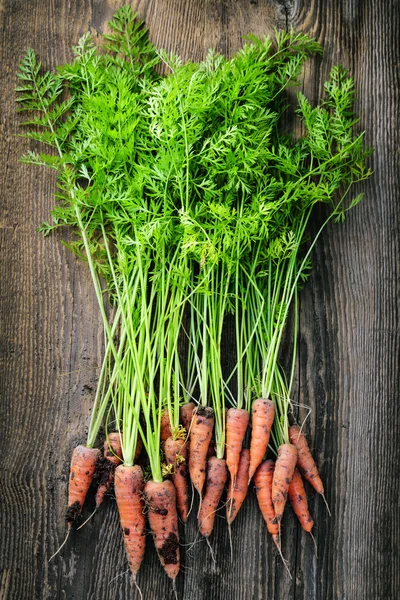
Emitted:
pixel 51 340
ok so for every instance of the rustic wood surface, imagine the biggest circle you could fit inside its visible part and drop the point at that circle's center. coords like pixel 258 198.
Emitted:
pixel 348 371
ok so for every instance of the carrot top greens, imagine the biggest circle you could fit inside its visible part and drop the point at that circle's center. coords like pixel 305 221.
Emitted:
pixel 187 197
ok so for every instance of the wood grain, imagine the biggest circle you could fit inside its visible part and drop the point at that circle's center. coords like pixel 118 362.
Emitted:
pixel 51 337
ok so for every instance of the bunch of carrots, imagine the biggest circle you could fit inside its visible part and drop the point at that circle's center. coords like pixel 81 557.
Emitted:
pixel 190 203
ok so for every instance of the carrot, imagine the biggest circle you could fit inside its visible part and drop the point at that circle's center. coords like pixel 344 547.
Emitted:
pixel 305 461
pixel 282 478
pixel 112 458
pixel 263 482
pixel 237 420
pixel 165 431
pixel 262 419
pixel 186 415
pixel 211 450
pixel 83 466
pixel 216 480
pixel 160 500
pixel 298 499
pixel 128 492
pixel 237 490
pixel 176 454
pixel 200 437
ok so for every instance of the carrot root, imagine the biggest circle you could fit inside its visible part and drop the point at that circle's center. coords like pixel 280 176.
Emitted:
pixel 128 492
pixel 263 481
pixel 83 467
pixel 237 420
pixel 112 456
pixel 305 460
pixel 282 478
pixel 200 437
pixel 186 415
pixel 237 490
pixel 298 499
pixel 160 500
pixel 165 431
pixel 176 454
pixel 216 480
pixel 263 415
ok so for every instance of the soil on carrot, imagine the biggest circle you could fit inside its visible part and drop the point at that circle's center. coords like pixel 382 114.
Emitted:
pixel 205 411
pixel 169 548
pixel 103 469
pixel 73 512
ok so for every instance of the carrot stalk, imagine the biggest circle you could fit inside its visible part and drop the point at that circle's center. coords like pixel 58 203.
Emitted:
pixel 200 437
pixel 216 480
pixel 83 466
pixel 282 478
pixel 128 492
pixel 298 499
pixel 262 419
pixel 160 500
pixel 176 454
pixel 237 490
pixel 237 420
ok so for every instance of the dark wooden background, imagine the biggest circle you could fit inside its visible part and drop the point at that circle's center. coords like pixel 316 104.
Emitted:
pixel 348 371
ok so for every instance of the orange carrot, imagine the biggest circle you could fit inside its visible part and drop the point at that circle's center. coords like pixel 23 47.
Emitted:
pixel 163 519
pixel 176 454
pixel 186 414
pixel 165 431
pixel 262 419
pixel 237 490
pixel 298 499
pixel 263 482
pixel 216 479
pixel 305 461
pixel 282 478
pixel 128 492
pixel 200 437
pixel 112 458
pixel 83 466
pixel 211 450
pixel 237 420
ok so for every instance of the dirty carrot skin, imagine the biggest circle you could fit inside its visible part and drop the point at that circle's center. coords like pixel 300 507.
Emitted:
pixel 128 485
pixel 216 479
pixel 237 490
pixel 200 437
pixel 298 499
pixel 237 420
pixel 263 414
pixel 305 460
pixel 282 478
pixel 160 498
pixel 83 466
pixel 263 482
pixel 176 454
pixel 165 431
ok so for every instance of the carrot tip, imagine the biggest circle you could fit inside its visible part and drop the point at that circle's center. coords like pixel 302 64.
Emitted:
pixel 313 539
pixel 88 519
pixel 327 505
pixel 63 544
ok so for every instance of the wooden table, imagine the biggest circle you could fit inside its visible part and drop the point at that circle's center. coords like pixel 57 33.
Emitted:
pixel 349 343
